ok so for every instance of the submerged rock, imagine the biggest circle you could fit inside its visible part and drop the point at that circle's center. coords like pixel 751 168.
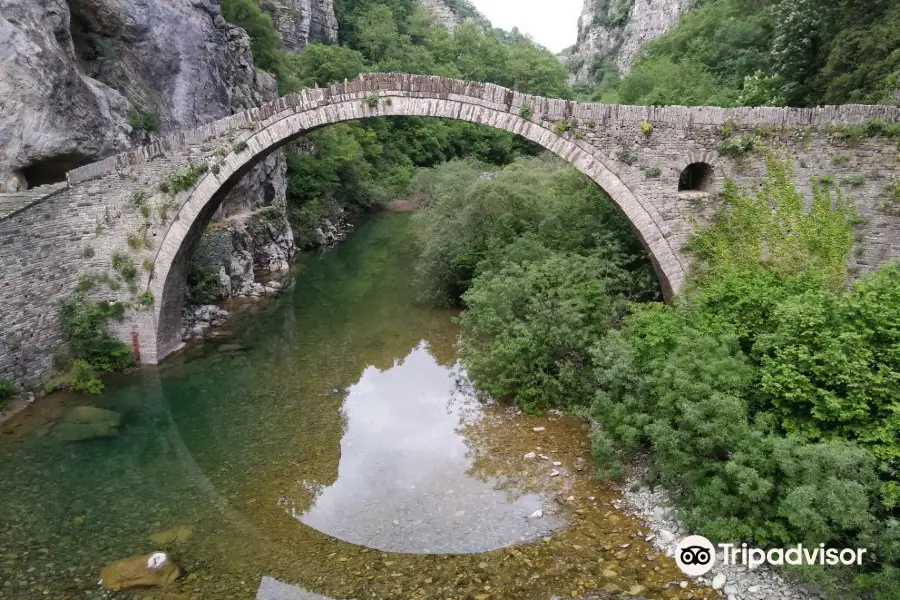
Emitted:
pixel 232 348
pixel 176 535
pixel 87 423
pixel 146 570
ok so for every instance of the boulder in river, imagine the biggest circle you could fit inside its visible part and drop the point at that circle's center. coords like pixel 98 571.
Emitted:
pixel 87 423
pixel 176 535
pixel 146 570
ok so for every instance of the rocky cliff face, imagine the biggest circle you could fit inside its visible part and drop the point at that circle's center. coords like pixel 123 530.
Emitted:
pixel 53 116
pixel 83 79
pixel 442 13
pixel 610 32
pixel 87 78
pixel 303 21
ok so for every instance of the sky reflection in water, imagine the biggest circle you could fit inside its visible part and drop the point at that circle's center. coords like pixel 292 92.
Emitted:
pixel 405 482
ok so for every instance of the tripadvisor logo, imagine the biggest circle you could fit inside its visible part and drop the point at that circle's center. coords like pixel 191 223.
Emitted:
pixel 696 555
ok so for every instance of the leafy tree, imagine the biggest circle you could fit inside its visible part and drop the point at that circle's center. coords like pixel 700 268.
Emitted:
pixel 528 326
pixel 472 213
pixel 265 41
pixel 322 64
pixel 663 82
pixel 830 366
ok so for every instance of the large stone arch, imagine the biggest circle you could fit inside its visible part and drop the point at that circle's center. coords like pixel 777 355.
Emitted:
pixel 170 265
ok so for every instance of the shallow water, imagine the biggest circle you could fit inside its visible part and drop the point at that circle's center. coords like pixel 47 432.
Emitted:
pixel 331 442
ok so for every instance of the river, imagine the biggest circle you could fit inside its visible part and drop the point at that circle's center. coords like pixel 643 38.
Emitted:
pixel 328 443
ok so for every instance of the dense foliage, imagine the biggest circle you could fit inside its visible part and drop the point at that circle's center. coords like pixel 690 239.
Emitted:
pixel 478 218
pixel 769 52
pixel 767 394
pixel 543 262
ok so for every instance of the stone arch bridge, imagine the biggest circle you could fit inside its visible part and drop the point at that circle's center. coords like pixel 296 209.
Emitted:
pixel 52 236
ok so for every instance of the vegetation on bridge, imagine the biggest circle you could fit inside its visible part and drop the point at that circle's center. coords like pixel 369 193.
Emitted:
pixel 767 394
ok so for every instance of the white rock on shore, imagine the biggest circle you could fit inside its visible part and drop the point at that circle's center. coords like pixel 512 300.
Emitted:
pixel 737 582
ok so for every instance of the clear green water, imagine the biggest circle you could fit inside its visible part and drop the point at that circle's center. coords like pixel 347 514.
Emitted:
pixel 330 442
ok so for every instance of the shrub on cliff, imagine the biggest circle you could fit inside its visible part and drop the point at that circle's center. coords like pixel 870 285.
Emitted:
pixel 7 391
pixel 773 52
pixel 92 346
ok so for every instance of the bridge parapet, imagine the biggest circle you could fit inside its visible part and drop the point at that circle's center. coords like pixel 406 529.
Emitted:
pixel 494 97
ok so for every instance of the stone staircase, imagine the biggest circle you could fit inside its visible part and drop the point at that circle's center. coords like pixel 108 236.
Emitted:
pixel 11 202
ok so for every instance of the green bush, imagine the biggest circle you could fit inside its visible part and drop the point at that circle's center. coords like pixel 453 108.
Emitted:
pixel 737 147
pixel 562 126
pixel 830 363
pixel 716 418
pixel 124 266
pixel 766 394
pixel 626 157
pixel 7 391
pixel 145 121
pixel 527 327
pixel 203 285
pixel 184 179
pixel 265 41
pixel 82 379
pixel 770 227
pixel 92 346
pixel 469 217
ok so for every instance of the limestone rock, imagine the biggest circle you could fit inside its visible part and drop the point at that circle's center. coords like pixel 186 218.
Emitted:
pixel 718 581
pixel 441 13
pixel 258 241
pixel 148 570
pixel 75 76
pixel 87 423
pixel 607 34
pixel 54 116
pixel 303 21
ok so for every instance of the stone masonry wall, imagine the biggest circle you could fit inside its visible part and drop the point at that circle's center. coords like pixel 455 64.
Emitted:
pixel 46 246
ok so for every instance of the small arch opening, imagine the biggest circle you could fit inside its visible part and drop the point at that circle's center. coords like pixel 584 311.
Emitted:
pixel 696 177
